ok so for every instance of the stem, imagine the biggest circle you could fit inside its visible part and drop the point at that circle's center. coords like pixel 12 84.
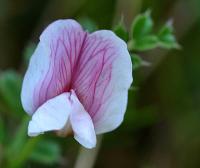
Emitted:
pixel 87 157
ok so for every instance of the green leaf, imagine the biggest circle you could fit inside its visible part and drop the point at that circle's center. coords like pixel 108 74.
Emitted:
pixel 21 146
pixel 143 39
pixel 138 61
pixel 142 25
pixel 20 138
pixel 146 43
pixel 167 38
pixel 166 29
pixel 46 152
pixel 121 31
pixel 10 86
pixel 20 158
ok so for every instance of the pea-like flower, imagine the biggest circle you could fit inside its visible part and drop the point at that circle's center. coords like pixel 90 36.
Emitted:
pixel 77 81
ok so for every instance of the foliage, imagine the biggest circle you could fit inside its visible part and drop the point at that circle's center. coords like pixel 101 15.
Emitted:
pixel 18 144
pixel 143 39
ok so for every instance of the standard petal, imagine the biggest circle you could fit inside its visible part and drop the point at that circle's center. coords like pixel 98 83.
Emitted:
pixel 52 115
pixel 103 79
pixel 38 67
pixel 82 124
pixel 52 64
pixel 97 66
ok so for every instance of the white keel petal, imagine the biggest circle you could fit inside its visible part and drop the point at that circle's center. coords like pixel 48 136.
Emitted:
pixel 52 115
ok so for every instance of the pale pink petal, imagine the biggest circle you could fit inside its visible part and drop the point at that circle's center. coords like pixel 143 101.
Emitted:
pixel 53 63
pixel 103 78
pixel 82 125
pixel 38 67
pixel 96 66
pixel 52 115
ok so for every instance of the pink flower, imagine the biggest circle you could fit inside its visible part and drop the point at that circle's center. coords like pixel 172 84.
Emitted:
pixel 77 80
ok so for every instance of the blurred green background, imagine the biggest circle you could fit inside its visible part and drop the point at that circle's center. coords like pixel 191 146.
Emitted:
pixel 162 123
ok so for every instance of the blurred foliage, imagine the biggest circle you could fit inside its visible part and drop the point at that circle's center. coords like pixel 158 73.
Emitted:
pixel 141 37
pixel 160 129
pixel 10 84
pixel 138 62
pixel 144 39
pixel 121 31
pixel 17 144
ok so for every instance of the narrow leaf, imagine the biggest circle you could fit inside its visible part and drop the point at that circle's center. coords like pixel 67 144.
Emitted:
pixel 10 86
pixel 142 25
pixel 138 61
pixel 167 38
pixel 146 43
pixel 121 31
pixel 46 152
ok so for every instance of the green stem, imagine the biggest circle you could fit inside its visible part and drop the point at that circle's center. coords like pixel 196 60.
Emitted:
pixel 87 157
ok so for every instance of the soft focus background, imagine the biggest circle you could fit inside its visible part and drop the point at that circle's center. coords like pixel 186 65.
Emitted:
pixel 162 123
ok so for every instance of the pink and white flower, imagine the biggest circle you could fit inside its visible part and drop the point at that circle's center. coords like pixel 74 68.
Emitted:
pixel 78 80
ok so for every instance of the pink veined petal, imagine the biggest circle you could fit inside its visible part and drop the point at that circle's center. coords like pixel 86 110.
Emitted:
pixel 52 115
pixel 38 67
pixel 103 79
pixel 97 66
pixel 82 125
pixel 52 64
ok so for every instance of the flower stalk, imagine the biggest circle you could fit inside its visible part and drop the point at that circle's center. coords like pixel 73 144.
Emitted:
pixel 87 157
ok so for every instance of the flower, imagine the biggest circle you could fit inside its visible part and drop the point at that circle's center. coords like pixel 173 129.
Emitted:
pixel 78 81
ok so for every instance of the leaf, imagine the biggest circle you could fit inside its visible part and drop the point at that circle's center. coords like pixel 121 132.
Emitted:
pixel 21 146
pixel 167 38
pixel 142 25
pixel 121 31
pixel 143 39
pixel 138 61
pixel 146 43
pixel 166 29
pixel 10 86
pixel 20 158
pixel 19 139
pixel 46 152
